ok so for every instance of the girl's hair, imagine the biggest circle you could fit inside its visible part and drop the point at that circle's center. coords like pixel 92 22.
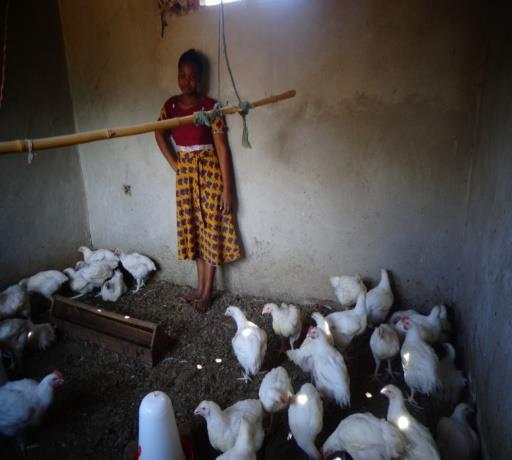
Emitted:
pixel 193 57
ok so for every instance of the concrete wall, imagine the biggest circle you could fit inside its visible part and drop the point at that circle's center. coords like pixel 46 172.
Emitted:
pixel 485 288
pixel 365 168
pixel 43 215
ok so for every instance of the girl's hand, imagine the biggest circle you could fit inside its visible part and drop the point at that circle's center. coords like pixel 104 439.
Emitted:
pixel 226 201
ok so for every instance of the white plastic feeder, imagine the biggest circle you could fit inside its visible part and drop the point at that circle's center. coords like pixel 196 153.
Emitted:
pixel 158 433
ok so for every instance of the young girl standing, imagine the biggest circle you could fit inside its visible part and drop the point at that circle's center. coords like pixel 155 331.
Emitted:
pixel 200 156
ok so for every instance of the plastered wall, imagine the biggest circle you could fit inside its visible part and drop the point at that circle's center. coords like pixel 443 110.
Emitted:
pixel 365 168
pixel 43 216
pixel 485 286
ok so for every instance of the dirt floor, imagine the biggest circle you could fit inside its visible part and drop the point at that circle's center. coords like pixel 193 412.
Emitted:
pixel 95 413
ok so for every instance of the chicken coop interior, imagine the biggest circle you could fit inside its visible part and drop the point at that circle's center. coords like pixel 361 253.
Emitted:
pixel 394 154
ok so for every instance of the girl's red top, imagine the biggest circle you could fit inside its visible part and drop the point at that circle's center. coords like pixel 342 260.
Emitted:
pixel 188 135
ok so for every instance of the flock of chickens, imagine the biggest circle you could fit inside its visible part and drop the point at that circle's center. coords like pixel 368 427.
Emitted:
pixel 25 401
pixel 238 432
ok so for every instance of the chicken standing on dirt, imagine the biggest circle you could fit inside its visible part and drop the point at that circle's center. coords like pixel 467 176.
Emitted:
pixel 275 390
pixel 244 448
pixel 366 437
pixel 345 325
pixel 24 403
pixel 249 343
pixel 421 445
pixel 286 321
pixel 305 418
pixel 419 362
pixel 455 437
pixel 385 345
pixel 223 425
pixel 347 289
pixel 138 265
pixel 379 300
pixel 329 371
pixel 452 379
pixel 45 283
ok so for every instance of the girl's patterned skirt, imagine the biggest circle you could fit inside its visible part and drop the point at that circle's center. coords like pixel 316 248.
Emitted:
pixel 203 230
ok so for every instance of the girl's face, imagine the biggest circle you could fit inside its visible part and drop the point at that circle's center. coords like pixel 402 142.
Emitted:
pixel 189 78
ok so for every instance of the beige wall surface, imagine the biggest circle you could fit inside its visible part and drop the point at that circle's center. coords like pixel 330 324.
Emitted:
pixel 365 168
pixel 43 215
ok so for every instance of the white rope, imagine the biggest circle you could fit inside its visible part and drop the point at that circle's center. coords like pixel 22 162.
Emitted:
pixel 30 152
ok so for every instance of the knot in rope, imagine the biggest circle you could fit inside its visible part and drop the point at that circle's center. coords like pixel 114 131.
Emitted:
pixel 245 106
pixel 202 118
pixel 30 156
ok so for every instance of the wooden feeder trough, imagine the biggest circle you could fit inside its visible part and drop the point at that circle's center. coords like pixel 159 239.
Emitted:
pixel 142 340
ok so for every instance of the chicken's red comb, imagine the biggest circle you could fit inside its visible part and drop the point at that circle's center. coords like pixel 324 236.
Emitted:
pixel 405 317
pixel 58 374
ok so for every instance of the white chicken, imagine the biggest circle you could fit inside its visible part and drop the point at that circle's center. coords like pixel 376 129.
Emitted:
pixel 452 379
pixel 347 289
pixel 249 343
pixel 244 448
pixel 379 300
pixel 114 288
pixel 303 356
pixel 329 371
pixel 223 425
pixel 305 418
pixel 421 445
pixel 433 327
pixel 385 345
pixel 365 437
pixel 24 403
pixel 99 255
pixel 14 302
pixel 77 282
pixel 419 362
pixel 275 390
pixel 96 273
pixel 455 437
pixel 286 320
pixel 345 325
pixel 138 265
pixel 45 283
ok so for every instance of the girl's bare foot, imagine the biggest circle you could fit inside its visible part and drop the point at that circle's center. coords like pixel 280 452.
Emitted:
pixel 191 296
pixel 202 305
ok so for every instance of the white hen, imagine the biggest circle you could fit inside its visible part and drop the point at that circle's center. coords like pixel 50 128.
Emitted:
pixel 77 282
pixel 249 342
pixel 275 390
pixel 421 445
pixel 345 325
pixel 96 273
pixel 303 356
pixel 244 448
pixel 329 371
pixel 45 283
pixel 14 302
pixel 452 379
pixel 286 320
pixel 385 345
pixel 347 289
pixel 419 362
pixel 431 327
pixel 379 300
pixel 24 403
pixel 305 418
pixel 138 265
pixel 223 425
pixel 455 437
pixel 366 437
pixel 99 255
pixel 114 288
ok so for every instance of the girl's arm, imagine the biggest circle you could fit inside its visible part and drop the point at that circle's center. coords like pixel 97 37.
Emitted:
pixel 221 146
pixel 166 150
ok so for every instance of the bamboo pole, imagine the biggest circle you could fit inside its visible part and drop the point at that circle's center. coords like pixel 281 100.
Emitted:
pixel 26 145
